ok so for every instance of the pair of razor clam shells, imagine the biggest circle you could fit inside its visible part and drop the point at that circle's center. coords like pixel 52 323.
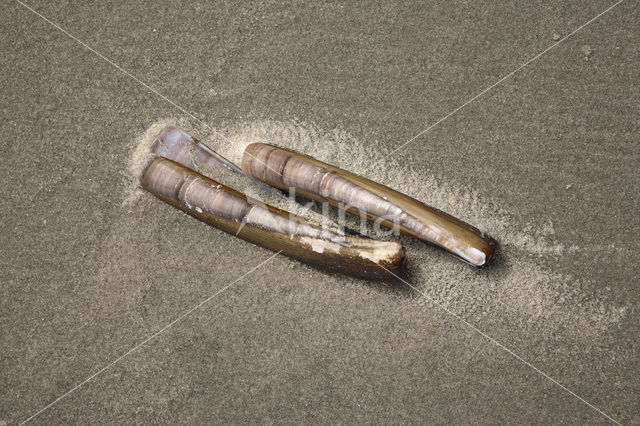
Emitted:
pixel 172 178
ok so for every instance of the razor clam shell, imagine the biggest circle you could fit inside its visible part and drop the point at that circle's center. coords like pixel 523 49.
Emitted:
pixel 270 227
pixel 323 182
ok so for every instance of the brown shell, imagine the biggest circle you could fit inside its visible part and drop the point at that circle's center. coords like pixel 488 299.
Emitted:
pixel 272 228
pixel 323 182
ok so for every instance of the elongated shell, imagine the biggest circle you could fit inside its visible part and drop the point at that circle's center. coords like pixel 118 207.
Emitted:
pixel 270 227
pixel 325 183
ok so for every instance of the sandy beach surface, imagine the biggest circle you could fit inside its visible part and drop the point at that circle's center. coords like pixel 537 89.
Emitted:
pixel 522 119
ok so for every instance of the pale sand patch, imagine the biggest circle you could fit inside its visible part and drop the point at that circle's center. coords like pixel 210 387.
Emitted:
pixel 521 290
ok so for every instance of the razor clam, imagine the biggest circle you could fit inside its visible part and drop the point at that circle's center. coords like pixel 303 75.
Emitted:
pixel 322 182
pixel 270 227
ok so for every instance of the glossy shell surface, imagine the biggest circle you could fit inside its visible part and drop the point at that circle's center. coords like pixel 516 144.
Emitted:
pixel 325 183
pixel 270 227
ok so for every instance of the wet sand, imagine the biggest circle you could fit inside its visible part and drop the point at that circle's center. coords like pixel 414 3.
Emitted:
pixel 546 162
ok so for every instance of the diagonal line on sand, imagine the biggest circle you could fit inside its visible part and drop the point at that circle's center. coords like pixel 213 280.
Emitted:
pixel 139 345
pixel 273 256
pixel 500 345
pixel 505 77
pixel 151 89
